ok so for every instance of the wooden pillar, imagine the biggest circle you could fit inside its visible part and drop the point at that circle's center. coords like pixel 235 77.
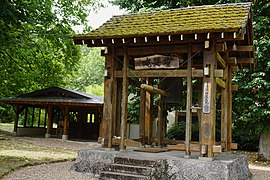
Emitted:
pixel 142 115
pixel 160 120
pixel 118 108
pixel 148 115
pixel 17 111
pixel 188 104
pixel 45 117
pixel 65 133
pixel 124 102
pixel 50 122
pixel 113 88
pixel 115 101
pixel 229 121
pixel 39 113
pixel 208 123
pixel 25 116
pixel 225 112
pixel 33 117
pixel 108 96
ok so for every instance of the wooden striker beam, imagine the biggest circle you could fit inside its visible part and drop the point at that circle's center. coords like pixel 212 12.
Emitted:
pixel 153 89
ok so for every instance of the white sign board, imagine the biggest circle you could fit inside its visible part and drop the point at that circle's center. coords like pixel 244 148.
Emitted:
pixel 206 98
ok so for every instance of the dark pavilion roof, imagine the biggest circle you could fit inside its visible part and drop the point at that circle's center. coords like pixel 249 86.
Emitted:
pixel 55 95
pixel 197 19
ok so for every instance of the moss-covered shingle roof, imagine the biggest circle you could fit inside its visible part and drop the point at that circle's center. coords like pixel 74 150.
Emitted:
pixel 211 18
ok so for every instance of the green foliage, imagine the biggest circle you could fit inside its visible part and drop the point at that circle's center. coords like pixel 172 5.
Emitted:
pixel 95 89
pixel 36 50
pixel 90 70
pixel 148 5
pixel 178 130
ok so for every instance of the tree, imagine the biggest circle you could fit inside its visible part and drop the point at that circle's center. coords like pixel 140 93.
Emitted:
pixel 90 70
pixel 36 49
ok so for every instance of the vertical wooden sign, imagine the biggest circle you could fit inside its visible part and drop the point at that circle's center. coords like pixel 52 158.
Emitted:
pixel 206 97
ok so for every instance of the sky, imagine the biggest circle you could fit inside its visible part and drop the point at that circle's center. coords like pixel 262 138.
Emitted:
pixel 104 14
pixel 96 19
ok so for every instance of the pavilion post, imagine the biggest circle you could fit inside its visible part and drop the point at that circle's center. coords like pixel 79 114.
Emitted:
pixel 208 121
pixel 33 116
pixel 225 112
pixel 108 94
pixel 65 133
pixel 39 113
pixel 160 120
pixel 112 122
pixel 50 123
pixel 188 105
pixel 118 108
pixel 148 115
pixel 229 117
pixel 142 115
pixel 124 102
pixel 17 111
pixel 25 116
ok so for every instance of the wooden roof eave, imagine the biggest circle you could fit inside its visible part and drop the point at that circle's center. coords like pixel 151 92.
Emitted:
pixel 14 102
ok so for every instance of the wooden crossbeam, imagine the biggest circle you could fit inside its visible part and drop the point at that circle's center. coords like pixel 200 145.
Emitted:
pixel 220 83
pixel 234 68
pixel 233 60
pixel 221 61
pixel 182 147
pixel 127 142
pixel 138 51
pixel 166 73
pixel 196 147
pixel 242 48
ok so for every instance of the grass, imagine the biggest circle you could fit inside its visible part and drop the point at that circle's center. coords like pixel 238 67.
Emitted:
pixel 6 128
pixel 9 163
pixel 16 153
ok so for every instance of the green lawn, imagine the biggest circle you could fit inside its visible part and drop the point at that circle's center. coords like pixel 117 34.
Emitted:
pixel 7 127
pixel 15 153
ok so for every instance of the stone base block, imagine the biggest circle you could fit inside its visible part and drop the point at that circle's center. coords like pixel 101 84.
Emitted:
pixel 47 135
pixel 169 165
pixel 65 137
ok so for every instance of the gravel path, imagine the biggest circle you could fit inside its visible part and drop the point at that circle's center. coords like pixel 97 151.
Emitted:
pixel 55 171
pixel 60 171
pixel 260 173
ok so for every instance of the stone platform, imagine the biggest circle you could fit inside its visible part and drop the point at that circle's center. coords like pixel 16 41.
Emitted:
pixel 110 164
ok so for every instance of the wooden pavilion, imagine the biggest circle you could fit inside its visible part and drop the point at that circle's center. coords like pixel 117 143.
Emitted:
pixel 203 43
pixel 59 112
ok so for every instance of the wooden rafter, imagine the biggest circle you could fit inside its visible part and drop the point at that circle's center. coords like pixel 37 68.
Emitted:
pixel 154 90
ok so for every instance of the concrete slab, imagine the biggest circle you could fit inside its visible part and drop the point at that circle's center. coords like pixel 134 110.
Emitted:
pixel 170 165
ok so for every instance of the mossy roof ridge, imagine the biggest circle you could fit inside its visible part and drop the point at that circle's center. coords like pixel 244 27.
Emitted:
pixel 196 19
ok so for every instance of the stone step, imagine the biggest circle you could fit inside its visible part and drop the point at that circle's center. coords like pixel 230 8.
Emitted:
pixel 106 175
pixel 131 169
pixel 135 161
